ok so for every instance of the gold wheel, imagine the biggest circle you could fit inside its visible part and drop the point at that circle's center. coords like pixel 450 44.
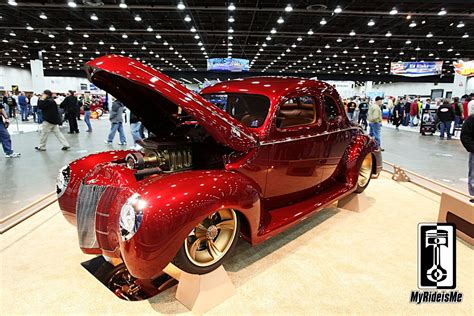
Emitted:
pixel 365 171
pixel 211 239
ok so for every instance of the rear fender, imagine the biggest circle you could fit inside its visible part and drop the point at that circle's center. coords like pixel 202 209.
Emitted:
pixel 348 168
pixel 177 203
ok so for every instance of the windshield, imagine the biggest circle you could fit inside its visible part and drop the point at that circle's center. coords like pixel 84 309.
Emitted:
pixel 249 109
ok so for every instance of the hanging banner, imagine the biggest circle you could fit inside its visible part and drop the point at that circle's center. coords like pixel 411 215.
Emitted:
pixel 228 64
pixel 464 68
pixel 416 69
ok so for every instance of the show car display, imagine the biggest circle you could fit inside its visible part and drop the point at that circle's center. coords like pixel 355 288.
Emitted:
pixel 247 157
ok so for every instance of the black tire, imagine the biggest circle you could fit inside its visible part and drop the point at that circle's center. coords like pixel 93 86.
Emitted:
pixel 183 261
pixel 362 186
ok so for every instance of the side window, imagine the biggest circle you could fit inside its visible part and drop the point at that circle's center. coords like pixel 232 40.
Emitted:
pixel 331 108
pixel 297 111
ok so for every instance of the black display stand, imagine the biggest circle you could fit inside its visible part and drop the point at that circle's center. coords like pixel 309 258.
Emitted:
pixel 428 121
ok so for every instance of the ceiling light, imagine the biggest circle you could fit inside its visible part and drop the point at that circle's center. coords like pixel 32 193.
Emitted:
pixel 54 47
pixel 417 48
pixel 371 22
pixel 124 35
pixel 29 27
pixel 230 30
pixel 70 42
pixel 232 20
pixel 35 41
pixel 408 17
pixel 187 18
pixel 84 47
pixel 165 43
pixel 440 43
pixel 293 45
pixel 465 35
pixel 50 35
pixel 423 22
pixel 299 39
pixel 327 46
pixel 344 51
pixel 408 42
pixel 356 47
pixel 430 54
pixel 196 36
pixel 181 6
pixel 429 35
pixel 43 16
pixel 460 24
pixel 442 12
pixel 143 47
pixel 94 17
pixel 193 29
pixel 371 41
pixel 288 8
pixel 158 36
pixel 138 18
pixel 280 20
pixel 112 28
pixel 352 33
pixel 122 4
pixel 401 53
pixel 388 34
pixel 68 28
pixel 149 29
pixel 231 7
pixel 101 42
pixel 273 31
pixel 200 44
pixel 268 38
pixel 412 24
pixel 85 35
pixel 72 4
pixel 310 32
pixel 393 11
pixel 12 2
pixel 450 49
pixel 338 9
pixel 323 21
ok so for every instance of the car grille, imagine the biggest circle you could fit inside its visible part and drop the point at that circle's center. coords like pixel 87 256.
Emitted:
pixel 87 200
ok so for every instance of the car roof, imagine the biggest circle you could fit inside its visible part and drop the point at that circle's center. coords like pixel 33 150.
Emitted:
pixel 273 87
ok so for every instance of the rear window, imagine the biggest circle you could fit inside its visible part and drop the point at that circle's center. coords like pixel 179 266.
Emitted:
pixel 249 109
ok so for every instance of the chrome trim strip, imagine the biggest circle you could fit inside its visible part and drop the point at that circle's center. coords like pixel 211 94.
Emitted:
pixel 103 214
pixel 101 232
pixel 292 139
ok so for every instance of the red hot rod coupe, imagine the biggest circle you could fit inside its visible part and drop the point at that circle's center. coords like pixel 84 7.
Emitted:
pixel 247 157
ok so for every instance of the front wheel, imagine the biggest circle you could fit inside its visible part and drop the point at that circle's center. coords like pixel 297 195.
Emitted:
pixel 209 243
pixel 365 173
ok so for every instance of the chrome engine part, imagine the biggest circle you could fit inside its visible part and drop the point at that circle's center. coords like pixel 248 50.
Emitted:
pixel 168 158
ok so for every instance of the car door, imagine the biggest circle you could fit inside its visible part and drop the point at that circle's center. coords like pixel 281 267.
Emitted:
pixel 294 168
pixel 338 130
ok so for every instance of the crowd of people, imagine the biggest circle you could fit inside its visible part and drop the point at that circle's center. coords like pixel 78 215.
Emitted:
pixel 51 111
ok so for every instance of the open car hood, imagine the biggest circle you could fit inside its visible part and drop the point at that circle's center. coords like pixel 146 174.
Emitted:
pixel 155 97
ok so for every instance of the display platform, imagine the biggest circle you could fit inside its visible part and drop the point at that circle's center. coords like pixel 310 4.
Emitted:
pixel 336 261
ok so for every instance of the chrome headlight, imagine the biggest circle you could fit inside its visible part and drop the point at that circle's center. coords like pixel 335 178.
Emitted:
pixel 62 180
pixel 131 216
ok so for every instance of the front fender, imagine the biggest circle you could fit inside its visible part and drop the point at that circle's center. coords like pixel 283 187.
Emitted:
pixel 78 170
pixel 175 204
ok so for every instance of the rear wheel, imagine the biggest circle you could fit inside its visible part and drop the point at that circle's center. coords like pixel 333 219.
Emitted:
pixel 209 243
pixel 365 172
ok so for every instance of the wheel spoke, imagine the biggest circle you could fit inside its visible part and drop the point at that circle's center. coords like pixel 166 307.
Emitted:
pixel 195 246
pixel 213 250
pixel 226 224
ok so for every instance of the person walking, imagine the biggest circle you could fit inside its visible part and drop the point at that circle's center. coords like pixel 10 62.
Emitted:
pixel 137 131
pixel 397 114
pixel 351 106
pixel 445 115
pixel 34 107
pixel 458 112
pixel 363 110
pixel 467 140
pixel 86 106
pixel 375 120
pixel 70 106
pixel 116 120
pixel 23 103
pixel 11 102
pixel 413 112
pixel 51 121
pixel 4 135
pixel 406 112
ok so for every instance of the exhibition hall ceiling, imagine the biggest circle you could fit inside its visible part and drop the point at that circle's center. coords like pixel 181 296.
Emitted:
pixel 287 37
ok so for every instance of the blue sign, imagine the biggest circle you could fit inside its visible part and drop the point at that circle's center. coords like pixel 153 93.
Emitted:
pixel 228 64
pixel 416 69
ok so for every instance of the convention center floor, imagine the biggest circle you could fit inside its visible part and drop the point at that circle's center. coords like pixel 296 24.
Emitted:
pixel 335 262
pixel 34 174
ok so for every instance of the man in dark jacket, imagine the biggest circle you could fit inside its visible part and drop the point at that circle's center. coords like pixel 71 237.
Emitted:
pixel 51 121
pixel 71 109
pixel 445 115
pixel 467 139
